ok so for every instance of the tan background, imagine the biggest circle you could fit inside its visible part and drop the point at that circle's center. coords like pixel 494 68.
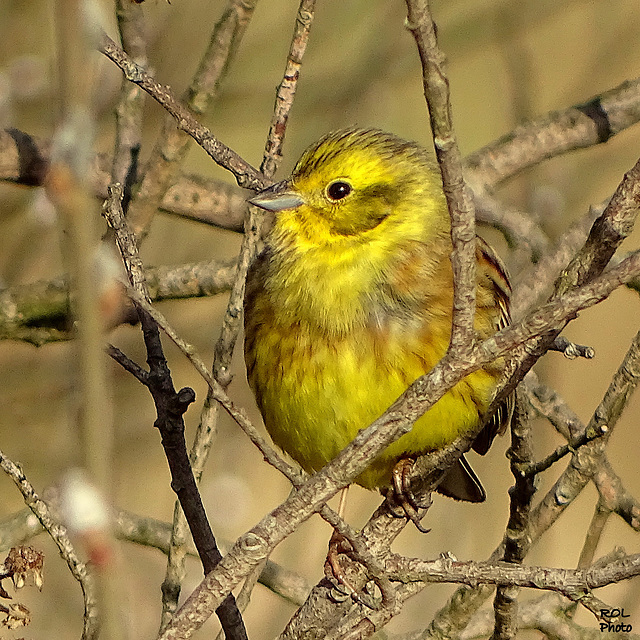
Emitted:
pixel 507 61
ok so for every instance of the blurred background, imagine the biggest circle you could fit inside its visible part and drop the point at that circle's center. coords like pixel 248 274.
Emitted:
pixel 507 61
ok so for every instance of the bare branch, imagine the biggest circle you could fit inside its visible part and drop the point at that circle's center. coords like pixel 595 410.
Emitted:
pixel 149 532
pixel 287 88
pixel 516 539
pixel 170 407
pixel 171 146
pixel 39 312
pixel 128 138
pixel 25 160
pixel 573 583
pixel 585 125
pixel 59 535
pixel 254 545
pixel 246 175
pixel 458 195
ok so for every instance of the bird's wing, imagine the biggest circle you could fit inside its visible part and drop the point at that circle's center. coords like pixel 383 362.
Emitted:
pixel 493 268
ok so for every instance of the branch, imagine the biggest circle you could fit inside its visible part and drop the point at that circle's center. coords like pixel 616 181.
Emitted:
pixel 129 111
pixel 572 583
pixel 149 532
pixel 171 146
pixel 520 230
pixel 459 201
pixel 246 176
pixel 59 535
pixel 587 460
pixel 40 313
pixel 170 408
pixel 546 614
pixel 287 88
pixel 24 159
pixel 415 574
pixel 554 134
pixel 257 543
pixel 516 541
pixel 607 232
pixel 232 320
pixel 381 529
pixel 613 495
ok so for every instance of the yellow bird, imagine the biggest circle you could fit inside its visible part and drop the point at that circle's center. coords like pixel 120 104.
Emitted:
pixel 351 301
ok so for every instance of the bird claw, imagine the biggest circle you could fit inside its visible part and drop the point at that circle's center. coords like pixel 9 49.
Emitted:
pixel 333 570
pixel 403 501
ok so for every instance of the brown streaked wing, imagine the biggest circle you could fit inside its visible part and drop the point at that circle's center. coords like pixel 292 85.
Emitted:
pixel 492 266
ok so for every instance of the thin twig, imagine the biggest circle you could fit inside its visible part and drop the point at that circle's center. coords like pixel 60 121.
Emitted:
pixel 607 233
pixel 246 175
pixel 59 535
pixel 287 88
pixel 589 435
pixel 539 278
pixel 594 534
pixel 613 494
pixel 571 350
pixel 459 200
pixel 129 111
pixel 516 539
pixel 170 407
pixel 586 460
pixel 149 532
pixel 518 228
pixel 163 166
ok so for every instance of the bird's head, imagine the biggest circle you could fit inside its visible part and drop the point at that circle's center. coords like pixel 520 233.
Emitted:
pixel 355 183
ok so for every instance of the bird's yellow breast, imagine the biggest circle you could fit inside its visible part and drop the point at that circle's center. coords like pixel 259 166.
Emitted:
pixel 316 389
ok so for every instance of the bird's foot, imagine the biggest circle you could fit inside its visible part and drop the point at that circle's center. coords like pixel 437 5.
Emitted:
pixel 334 571
pixel 401 496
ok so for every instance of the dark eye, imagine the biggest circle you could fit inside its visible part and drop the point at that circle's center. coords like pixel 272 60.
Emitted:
pixel 338 190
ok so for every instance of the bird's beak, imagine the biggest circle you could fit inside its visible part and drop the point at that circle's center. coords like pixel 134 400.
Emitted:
pixel 277 197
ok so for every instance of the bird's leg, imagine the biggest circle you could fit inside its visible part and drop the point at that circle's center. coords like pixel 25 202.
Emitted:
pixel 342 505
pixel 402 494
pixel 340 545
pixel 337 545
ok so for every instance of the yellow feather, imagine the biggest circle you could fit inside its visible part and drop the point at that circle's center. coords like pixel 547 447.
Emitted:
pixel 350 302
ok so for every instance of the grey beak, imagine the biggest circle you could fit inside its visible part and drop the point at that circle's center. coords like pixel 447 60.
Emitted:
pixel 277 198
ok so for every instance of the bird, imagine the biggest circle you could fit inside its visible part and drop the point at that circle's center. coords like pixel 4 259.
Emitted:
pixel 350 301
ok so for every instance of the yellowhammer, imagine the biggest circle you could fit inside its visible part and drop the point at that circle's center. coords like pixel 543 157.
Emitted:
pixel 351 301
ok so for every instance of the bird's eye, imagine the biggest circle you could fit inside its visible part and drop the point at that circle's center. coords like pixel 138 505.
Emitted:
pixel 338 190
